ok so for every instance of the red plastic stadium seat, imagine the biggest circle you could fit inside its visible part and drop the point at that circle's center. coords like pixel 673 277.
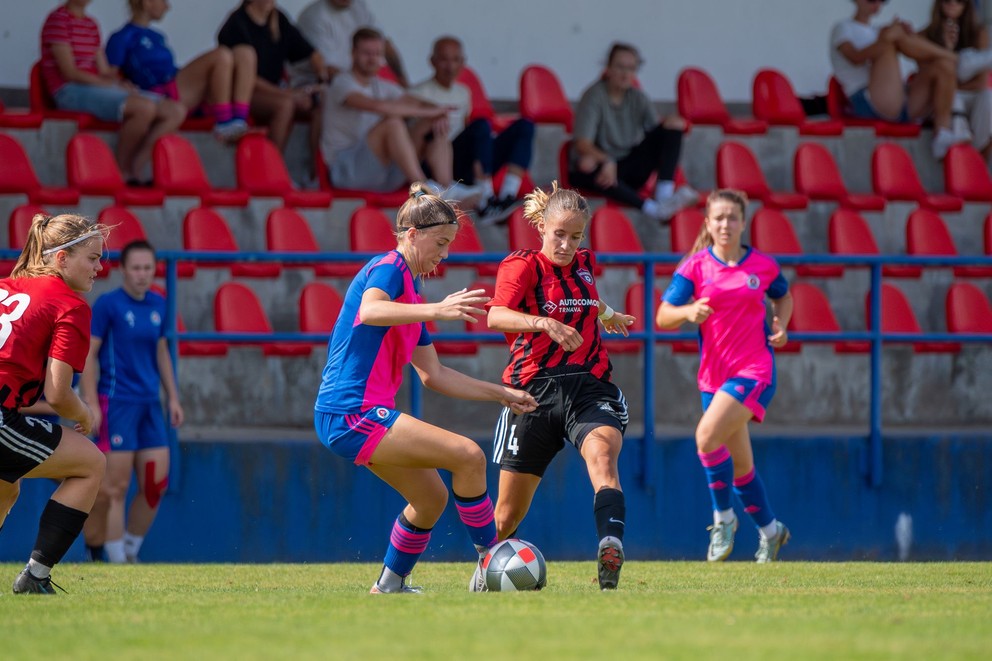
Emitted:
pixel 17 177
pixel 18 228
pixel 205 230
pixel 372 198
pixel 451 347
pixel 237 310
pixel 179 171
pixel 262 172
pixel 199 348
pixel 482 107
pixel 812 313
pixel 737 168
pixel 774 101
pixel 610 230
pixel 927 235
pixel 564 158
pixel 700 103
pixel 987 235
pixel 467 242
pixel 772 232
pixel 848 234
pixel 898 317
pixel 521 234
pixel 685 227
pixel 287 231
pixel 817 176
pixel 371 231
pixel 966 174
pixel 968 309
pixel 91 168
pixel 542 99
pixel 894 177
pixel 320 306
pixel 18 119
pixel 837 107
pixel 41 102
pixel 634 302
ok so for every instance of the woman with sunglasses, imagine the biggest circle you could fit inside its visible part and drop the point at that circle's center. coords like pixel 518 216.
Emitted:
pixel 865 60
pixel 380 330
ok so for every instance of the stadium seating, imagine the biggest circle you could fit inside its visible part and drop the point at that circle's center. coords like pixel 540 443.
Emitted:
pixel 41 103
pixel 699 102
pixel 481 326
pixel 18 227
pixel 17 177
pixel 837 109
pixel 967 309
pixel 812 314
pixel 237 310
pixel 127 228
pixel 521 234
pixel 849 234
pixel 610 230
pixel 371 231
pixel 685 227
pixel 178 170
pixel 927 235
pixel 634 306
pixel 966 174
pixel 18 119
pixel 816 175
pixel 774 100
pixel 772 233
pixel 737 168
pixel 194 348
pixel 542 99
pixel 320 305
pixel 287 231
pixel 894 177
pixel 898 317
pixel 372 198
pixel 467 242
pixel 92 170
pixel 482 107
pixel 262 172
pixel 205 230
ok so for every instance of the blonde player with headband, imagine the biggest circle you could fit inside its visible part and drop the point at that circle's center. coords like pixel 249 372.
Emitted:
pixel 44 338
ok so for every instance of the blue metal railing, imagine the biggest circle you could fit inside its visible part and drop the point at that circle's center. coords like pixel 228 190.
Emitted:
pixel 875 337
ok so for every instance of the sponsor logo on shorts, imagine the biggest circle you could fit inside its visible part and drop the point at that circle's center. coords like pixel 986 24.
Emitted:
pixel 753 281
pixel 585 275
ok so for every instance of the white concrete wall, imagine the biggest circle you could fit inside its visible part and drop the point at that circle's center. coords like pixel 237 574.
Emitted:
pixel 729 38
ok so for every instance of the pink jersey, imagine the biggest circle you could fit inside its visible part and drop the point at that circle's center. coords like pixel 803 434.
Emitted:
pixel 734 339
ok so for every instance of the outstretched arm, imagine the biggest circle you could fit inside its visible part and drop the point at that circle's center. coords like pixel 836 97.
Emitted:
pixel 377 309
pixel 673 316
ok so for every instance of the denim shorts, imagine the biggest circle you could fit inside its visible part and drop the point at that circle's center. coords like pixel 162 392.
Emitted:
pixel 859 105
pixel 106 103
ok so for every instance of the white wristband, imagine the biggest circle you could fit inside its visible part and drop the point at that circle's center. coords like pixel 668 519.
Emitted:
pixel 607 314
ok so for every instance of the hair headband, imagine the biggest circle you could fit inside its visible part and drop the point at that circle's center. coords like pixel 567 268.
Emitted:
pixel 78 239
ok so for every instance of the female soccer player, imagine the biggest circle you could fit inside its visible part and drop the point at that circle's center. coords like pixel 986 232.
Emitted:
pixel 128 364
pixel 381 328
pixel 44 337
pixel 547 304
pixel 721 285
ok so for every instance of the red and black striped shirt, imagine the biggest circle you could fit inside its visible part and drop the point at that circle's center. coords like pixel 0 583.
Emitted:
pixel 529 282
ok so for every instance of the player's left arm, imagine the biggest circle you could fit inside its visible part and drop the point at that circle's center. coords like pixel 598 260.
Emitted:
pixel 453 383
pixel 613 321
pixel 781 314
pixel 168 378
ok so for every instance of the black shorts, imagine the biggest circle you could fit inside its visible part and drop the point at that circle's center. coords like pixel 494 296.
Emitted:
pixel 25 442
pixel 569 406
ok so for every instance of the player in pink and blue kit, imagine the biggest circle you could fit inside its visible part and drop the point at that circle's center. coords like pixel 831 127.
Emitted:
pixel 380 330
pixel 721 285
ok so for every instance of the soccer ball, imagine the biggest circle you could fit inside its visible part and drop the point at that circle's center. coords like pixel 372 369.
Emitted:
pixel 513 565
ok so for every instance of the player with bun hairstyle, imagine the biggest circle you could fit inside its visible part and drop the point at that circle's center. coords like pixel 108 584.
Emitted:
pixel 44 338
pixel 380 330
pixel 721 285
pixel 547 304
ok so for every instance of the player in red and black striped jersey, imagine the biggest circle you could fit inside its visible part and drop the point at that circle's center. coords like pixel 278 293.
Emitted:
pixel 547 304
pixel 44 339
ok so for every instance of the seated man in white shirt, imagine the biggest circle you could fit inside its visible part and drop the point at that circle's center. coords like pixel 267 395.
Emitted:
pixel 478 152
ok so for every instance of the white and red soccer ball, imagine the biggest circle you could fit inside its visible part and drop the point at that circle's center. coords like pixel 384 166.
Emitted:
pixel 514 565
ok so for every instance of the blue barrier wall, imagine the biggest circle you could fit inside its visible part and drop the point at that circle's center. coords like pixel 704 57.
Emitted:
pixel 294 501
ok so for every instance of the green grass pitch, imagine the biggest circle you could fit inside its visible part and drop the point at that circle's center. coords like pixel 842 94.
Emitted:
pixel 663 610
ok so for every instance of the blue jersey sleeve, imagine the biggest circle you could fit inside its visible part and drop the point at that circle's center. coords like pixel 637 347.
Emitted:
pixel 679 291
pixel 387 277
pixel 779 287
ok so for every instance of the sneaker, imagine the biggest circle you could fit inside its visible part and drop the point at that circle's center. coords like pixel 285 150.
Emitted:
pixel 972 62
pixel 497 210
pixel 721 540
pixel 231 130
pixel 27 583
pixel 683 197
pixel 404 588
pixel 610 562
pixel 768 548
pixel 944 140
pixel 467 196
pixel 478 581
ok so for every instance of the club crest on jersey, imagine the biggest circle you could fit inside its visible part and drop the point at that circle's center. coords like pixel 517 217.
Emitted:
pixel 382 413
pixel 585 275
pixel 156 318
pixel 753 281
